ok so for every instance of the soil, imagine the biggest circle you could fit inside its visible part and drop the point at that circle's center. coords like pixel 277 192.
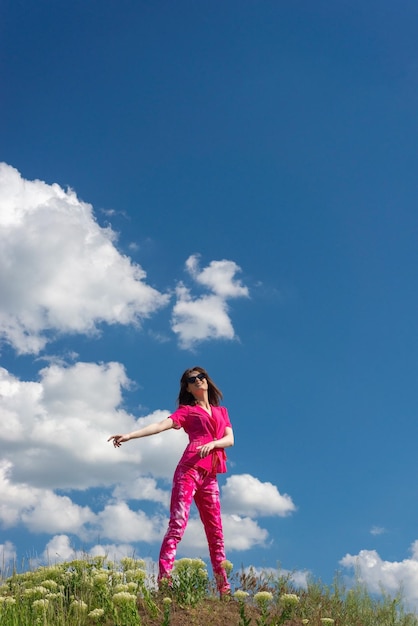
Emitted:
pixel 210 612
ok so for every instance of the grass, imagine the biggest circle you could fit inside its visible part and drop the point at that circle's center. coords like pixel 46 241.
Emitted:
pixel 90 591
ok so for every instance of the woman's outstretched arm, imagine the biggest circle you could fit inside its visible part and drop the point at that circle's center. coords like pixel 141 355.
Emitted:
pixel 151 429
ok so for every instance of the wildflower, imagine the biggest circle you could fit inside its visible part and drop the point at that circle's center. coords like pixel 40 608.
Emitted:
pixel 135 575
pixel 327 620
pixel 227 566
pixel 49 584
pixel 78 606
pixel 305 621
pixel 289 598
pixel 100 578
pixel 132 587
pixel 7 600
pixel 167 606
pixel 121 587
pixel 127 563
pixel 41 604
pixel 123 597
pixel 239 594
pixel 39 590
pixel 98 561
pixel 54 596
pixel 96 613
pixel 263 597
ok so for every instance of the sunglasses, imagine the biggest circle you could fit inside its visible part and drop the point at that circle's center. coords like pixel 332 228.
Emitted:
pixel 192 379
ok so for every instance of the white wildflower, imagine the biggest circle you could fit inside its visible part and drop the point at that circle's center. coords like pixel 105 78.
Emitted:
pixel 123 597
pixel 239 594
pixel 289 598
pixel 263 597
pixel 79 606
pixel 96 613
pixel 41 604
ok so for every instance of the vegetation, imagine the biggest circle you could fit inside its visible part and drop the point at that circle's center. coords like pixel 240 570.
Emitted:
pixel 95 591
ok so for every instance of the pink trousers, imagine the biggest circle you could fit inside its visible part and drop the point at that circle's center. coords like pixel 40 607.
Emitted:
pixel 188 484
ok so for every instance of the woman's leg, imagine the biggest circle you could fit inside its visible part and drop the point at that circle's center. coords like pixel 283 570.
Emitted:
pixel 209 507
pixel 184 487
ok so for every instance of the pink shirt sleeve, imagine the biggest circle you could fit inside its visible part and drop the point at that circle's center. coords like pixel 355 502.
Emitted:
pixel 179 417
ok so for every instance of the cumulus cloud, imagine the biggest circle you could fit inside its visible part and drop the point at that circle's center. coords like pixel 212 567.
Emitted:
pixel 58 429
pixel 7 556
pixel 243 533
pixel 61 272
pixel 119 522
pixel 200 319
pixel 115 552
pixel 391 576
pixel 300 578
pixel 142 488
pixel 246 495
pixel 52 513
pixel 207 316
pixel 59 549
pixel 41 510
pixel 218 276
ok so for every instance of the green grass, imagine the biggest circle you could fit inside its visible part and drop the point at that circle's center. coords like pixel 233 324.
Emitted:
pixel 95 590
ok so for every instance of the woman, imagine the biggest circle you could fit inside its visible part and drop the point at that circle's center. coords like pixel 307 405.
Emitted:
pixel 209 429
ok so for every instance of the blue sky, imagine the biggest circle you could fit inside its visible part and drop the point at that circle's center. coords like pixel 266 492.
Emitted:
pixel 231 185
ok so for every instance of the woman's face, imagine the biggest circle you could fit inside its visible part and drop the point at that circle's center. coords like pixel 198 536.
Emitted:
pixel 196 381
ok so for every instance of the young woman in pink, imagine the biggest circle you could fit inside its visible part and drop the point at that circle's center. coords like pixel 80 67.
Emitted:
pixel 207 424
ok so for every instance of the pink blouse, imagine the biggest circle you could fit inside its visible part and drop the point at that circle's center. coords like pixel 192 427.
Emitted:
pixel 202 428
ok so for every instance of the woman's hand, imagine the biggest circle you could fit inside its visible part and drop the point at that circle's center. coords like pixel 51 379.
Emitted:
pixel 119 439
pixel 206 449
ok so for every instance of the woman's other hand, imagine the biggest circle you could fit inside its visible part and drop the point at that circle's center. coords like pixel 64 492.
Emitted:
pixel 206 449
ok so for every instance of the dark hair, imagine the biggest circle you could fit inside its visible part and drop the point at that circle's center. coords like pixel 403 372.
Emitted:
pixel 185 397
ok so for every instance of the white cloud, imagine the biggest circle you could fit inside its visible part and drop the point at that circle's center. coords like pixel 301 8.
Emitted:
pixel 246 495
pixel 15 498
pixel 391 576
pixel 206 317
pixel 243 533
pixel 7 557
pixel 300 578
pixel 59 549
pixel 58 429
pixel 52 513
pixel 119 522
pixel 142 488
pixel 240 533
pixel 200 319
pixel 61 271
pixel 115 552
pixel 41 510
pixel 218 276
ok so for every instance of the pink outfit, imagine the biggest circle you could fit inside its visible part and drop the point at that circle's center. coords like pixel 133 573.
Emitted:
pixel 195 478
